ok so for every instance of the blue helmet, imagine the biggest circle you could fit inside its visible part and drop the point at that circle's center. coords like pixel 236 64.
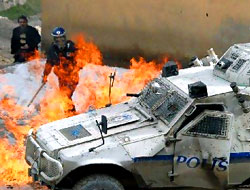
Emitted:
pixel 58 32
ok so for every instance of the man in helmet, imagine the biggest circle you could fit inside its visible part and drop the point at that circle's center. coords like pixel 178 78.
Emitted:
pixel 24 41
pixel 61 57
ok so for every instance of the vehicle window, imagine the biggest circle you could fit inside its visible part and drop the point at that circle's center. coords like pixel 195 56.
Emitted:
pixel 171 106
pixel 200 108
pixel 210 126
pixel 239 65
pixel 150 98
pixel 166 102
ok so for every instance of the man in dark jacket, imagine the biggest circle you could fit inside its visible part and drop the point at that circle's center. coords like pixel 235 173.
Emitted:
pixel 24 41
pixel 61 56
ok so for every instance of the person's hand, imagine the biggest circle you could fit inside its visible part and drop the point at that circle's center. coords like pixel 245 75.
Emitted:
pixel 26 46
pixel 70 54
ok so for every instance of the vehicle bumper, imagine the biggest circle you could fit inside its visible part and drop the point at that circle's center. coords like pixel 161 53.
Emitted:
pixel 43 167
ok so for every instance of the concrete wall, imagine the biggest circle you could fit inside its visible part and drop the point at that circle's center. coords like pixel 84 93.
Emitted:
pixel 181 28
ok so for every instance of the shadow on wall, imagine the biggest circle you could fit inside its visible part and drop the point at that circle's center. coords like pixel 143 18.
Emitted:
pixel 232 31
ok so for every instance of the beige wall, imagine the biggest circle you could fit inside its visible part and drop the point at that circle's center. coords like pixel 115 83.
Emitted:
pixel 181 28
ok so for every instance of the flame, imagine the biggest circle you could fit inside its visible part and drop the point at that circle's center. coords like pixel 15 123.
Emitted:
pixel 87 53
pixel 92 91
pixel 13 168
pixel 35 56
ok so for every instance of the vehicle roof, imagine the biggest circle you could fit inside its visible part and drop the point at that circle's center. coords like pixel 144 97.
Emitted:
pixel 215 85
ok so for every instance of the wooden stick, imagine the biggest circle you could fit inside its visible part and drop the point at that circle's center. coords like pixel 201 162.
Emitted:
pixel 36 94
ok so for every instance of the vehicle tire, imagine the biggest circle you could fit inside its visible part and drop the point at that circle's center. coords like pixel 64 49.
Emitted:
pixel 98 182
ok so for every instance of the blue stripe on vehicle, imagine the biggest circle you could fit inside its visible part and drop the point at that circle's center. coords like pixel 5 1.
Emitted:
pixel 154 158
pixel 240 157
pixel 234 158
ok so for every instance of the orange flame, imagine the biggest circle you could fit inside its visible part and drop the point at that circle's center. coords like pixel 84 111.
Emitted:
pixel 92 90
pixel 13 168
pixel 87 52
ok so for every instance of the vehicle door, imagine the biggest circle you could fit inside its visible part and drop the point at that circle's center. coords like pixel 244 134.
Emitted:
pixel 202 151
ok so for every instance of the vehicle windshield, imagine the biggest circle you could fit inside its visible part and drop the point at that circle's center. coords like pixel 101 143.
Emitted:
pixel 163 98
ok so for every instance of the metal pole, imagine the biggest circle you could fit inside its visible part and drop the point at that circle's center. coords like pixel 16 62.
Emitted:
pixel 111 84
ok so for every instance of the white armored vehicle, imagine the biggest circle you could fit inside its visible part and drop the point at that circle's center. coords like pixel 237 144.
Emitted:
pixel 190 128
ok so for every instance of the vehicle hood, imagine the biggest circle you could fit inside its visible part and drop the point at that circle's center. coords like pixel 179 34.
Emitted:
pixel 82 128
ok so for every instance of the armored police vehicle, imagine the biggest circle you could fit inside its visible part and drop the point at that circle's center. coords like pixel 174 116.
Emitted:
pixel 187 128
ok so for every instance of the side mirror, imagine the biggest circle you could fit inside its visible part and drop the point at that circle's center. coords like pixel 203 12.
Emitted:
pixel 102 129
pixel 104 124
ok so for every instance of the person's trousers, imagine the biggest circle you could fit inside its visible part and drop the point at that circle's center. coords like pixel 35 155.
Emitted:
pixel 22 56
pixel 68 88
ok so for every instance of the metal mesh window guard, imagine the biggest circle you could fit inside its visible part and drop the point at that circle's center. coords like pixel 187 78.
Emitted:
pixel 173 104
pixel 210 126
pixel 166 103
pixel 239 64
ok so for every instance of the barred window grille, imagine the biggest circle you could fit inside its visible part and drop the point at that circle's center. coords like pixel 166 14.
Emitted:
pixel 234 56
pixel 210 126
pixel 166 103
pixel 150 98
pixel 171 107
pixel 239 64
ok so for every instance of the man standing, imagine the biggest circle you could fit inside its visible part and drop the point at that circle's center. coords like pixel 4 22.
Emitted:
pixel 24 41
pixel 61 56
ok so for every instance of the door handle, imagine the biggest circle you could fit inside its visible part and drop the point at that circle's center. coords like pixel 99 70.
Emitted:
pixel 171 174
pixel 171 140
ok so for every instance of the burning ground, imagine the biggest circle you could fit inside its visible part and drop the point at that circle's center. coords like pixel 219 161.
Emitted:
pixel 19 83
